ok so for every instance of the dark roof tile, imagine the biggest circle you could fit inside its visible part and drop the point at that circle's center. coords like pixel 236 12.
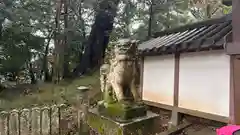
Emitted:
pixel 195 37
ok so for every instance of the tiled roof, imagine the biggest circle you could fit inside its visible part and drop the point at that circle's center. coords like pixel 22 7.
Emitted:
pixel 195 37
pixel 227 2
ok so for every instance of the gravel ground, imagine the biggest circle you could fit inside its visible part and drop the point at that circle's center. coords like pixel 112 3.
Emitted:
pixel 198 129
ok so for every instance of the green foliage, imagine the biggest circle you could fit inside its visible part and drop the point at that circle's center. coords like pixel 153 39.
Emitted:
pixel 5 10
pixel 31 16
pixel 19 43
pixel 206 10
pixel 33 25
pixel 18 47
pixel 227 9
pixel 164 15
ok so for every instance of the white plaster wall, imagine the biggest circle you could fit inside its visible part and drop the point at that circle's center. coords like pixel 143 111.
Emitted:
pixel 204 82
pixel 158 79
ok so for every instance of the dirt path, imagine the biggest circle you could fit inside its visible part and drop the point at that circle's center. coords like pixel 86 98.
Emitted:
pixel 199 130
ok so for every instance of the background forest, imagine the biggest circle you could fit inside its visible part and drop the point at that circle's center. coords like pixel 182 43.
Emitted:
pixel 43 41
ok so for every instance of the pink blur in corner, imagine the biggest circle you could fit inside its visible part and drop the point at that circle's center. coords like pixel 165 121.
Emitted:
pixel 227 130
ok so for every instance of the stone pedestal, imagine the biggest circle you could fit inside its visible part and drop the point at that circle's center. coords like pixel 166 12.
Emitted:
pixel 107 126
pixel 122 113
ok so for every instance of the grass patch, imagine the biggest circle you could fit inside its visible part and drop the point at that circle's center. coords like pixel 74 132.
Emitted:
pixel 46 94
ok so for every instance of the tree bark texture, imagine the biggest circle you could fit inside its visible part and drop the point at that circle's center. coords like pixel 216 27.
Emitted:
pixel 150 20
pixel 57 68
pixel 1 28
pixel 99 36
pixel 33 79
pixel 83 29
pixel 66 45
pixel 45 69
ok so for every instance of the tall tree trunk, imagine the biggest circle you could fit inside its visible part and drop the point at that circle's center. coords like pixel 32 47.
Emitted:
pixel 57 43
pixel 127 19
pixel 14 76
pixel 150 20
pixel 66 45
pixel 83 30
pixel 1 28
pixel 208 11
pixel 32 76
pixel 45 69
pixel 99 36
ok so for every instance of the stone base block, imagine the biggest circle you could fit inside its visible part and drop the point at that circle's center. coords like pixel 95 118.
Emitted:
pixel 136 126
pixel 121 113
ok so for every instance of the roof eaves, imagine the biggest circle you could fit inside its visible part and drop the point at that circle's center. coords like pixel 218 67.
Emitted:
pixel 225 18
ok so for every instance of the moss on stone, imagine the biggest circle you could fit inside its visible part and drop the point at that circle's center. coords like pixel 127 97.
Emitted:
pixel 120 111
pixel 104 126
pixel 108 96
pixel 108 126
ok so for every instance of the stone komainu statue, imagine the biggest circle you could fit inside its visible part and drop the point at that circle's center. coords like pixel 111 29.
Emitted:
pixel 120 77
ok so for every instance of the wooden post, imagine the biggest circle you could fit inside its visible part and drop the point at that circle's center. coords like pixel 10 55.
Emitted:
pixel 233 49
pixel 235 90
pixel 141 77
pixel 235 23
pixel 175 118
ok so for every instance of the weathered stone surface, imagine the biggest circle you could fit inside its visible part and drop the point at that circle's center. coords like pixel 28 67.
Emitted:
pixel 175 120
pixel 67 118
pixel 25 120
pixel 119 112
pixel 35 123
pixel 79 119
pixel 118 79
pixel 45 121
pixel 4 123
pixel 138 126
pixel 14 123
pixel 55 119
